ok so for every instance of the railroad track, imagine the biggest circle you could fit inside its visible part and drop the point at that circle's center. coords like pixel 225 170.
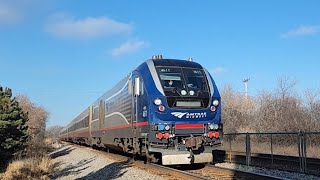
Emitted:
pixel 206 172
pixel 179 173
pixel 193 172
pixel 288 163
pixel 215 172
pixel 237 174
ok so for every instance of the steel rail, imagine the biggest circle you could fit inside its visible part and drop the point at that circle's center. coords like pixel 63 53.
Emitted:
pixel 281 162
pixel 239 174
pixel 215 172
pixel 180 173
pixel 295 159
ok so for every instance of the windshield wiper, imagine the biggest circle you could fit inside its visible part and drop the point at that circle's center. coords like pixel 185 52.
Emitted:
pixel 176 90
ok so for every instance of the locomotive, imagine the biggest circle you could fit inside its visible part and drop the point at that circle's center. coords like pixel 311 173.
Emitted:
pixel 168 110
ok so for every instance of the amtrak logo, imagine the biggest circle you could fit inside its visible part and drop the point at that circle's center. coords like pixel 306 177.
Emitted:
pixel 189 115
pixel 178 114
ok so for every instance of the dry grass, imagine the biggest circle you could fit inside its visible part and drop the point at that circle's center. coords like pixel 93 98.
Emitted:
pixel 51 145
pixel 35 164
pixel 313 152
pixel 265 148
pixel 30 168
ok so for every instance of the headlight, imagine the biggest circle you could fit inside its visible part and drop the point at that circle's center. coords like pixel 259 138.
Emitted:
pixel 157 102
pixel 215 126
pixel 215 102
pixel 167 127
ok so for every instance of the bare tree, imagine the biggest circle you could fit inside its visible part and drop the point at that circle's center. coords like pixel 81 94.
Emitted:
pixel 285 86
pixel 37 118
pixel 280 110
pixel 236 110
pixel 312 105
pixel 53 132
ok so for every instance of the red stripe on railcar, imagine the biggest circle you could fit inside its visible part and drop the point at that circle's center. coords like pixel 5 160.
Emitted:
pixel 81 134
pixel 189 126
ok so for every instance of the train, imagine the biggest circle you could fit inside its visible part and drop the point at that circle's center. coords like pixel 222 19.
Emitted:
pixel 166 110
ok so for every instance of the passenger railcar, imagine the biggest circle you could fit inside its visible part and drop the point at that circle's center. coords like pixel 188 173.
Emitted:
pixel 165 109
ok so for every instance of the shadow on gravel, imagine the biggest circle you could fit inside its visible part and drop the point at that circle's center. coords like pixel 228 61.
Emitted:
pixel 110 171
pixel 73 169
pixel 189 167
pixel 61 152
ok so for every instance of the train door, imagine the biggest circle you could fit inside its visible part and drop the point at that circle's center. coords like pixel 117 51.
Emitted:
pixel 90 125
pixel 101 113
pixel 136 85
pixel 136 95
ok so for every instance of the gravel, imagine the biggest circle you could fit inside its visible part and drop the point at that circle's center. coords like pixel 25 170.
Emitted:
pixel 270 172
pixel 83 163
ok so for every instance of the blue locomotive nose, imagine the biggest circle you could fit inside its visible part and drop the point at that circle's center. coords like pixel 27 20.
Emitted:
pixel 164 109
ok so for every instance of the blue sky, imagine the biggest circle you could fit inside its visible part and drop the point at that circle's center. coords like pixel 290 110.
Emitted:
pixel 65 54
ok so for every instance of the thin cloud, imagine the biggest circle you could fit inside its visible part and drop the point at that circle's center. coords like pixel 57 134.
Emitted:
pixel 128 47
pixel 8 14
pixel 218 70
pixel 15 11
pixel 64 26
pixel 302 31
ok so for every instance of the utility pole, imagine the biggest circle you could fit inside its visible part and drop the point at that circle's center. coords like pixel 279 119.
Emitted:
pixel 246 87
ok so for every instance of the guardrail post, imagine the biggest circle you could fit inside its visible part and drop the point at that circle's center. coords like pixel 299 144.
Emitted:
pixel 248 149
pixel 302 151
pixel 230 150
pixel 299 151
pixel 271 146
pixel 304 145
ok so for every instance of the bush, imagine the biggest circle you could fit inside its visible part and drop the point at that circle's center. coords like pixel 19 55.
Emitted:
pixel 31 168
pixel 279 110
pixel 37 118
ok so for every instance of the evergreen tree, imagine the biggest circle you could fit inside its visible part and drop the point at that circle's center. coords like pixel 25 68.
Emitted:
pixel 13 131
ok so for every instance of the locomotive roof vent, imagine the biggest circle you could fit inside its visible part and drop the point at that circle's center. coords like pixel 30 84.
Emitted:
pixel 190 59
pixel 154 57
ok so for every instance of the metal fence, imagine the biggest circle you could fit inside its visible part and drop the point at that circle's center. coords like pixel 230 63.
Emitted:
pixel 299 151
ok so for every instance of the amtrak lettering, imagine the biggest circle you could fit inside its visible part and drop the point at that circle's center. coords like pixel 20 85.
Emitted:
pixel 189 115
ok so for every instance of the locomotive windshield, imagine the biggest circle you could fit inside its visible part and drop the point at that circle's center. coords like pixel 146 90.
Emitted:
pixel 171 78
pixel 184 87
pixel 195 79
pixel 182 78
